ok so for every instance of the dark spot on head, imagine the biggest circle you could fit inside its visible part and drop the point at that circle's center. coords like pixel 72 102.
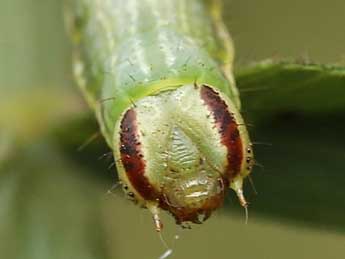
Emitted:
pixel 227 127
pixel 131 156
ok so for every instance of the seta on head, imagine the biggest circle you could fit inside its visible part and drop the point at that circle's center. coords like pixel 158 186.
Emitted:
pixel 181 150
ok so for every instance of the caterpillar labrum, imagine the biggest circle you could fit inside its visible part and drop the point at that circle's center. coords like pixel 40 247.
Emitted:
pixel 158 75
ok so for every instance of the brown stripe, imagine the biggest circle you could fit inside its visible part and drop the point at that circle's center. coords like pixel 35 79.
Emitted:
pixel 132 157
pixel 227 127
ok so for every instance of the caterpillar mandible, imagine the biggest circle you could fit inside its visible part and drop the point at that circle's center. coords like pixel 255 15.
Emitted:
pixel 158 75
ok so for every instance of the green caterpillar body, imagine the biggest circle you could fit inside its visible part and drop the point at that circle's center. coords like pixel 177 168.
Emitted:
pixel 158 75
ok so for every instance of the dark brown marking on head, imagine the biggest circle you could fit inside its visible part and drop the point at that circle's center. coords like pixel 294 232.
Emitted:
pixel 132 158
pixel 227 127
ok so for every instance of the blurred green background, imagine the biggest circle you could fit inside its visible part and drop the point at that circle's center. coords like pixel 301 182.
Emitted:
pixel 53 198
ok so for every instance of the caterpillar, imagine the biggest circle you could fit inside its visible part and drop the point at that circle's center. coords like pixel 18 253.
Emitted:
pixel 158 75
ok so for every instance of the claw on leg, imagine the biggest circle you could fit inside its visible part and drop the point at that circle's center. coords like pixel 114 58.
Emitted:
pixel 243 202
pixel 159 226
pixel 241 198
pixel 236 185
pixel 155 215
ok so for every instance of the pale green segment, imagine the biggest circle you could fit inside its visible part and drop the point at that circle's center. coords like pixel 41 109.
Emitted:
pixel 182 148
pixel 131 49
pixel 180 135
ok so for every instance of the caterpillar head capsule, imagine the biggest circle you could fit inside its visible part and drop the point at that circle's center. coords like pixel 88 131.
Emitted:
pixel 180 150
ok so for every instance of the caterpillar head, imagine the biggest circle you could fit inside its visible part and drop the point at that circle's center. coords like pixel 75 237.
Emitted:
pixel 180 150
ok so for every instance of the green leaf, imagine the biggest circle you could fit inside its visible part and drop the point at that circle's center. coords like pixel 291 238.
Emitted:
pixel 269 88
